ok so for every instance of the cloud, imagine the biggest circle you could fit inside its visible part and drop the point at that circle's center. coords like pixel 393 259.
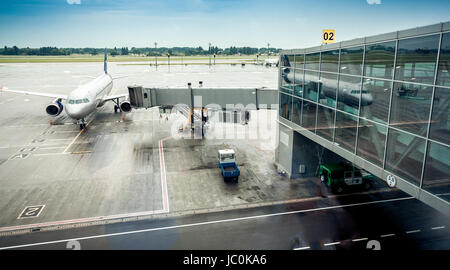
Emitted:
pixel 371 2
pixel 77 2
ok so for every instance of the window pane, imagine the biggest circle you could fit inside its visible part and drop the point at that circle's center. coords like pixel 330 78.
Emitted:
pixel 440 124
pixel 290 60
pixel 404 155
pixel 416 59
pixel 375 102
pixel 287 80
pixel 411 107
pixel 312 61
pixel 346 131
pixel 285 106
pixel 328 89
pixel 299 61
pixel 437 169
pixel 444 61
pixel 325 122
pixel 297 111
pixel 351 60
pixel 348 95
pixel 78 101
pixel 379 60
pixel 371 141
pixel 311 85
pixel 309 115
pixel 330 61
pixel 298 87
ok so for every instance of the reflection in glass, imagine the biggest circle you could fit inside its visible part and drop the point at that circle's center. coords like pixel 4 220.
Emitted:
pixel 443 77
pixel 309 115
pixel 285 106
pixel 345 131
pixel 299 82
pixel 299 61
pixel 404 155
pixel 330 61
pixel 411 107
pixel 375 100
pixel 287 80
pixel 312 61
pixel 325 122
pixel 371 141
pixel 311 85
pixel 437 167
pixel 351 60
pixel 328 89
pixel 440 119
pixel 297 111
pixel 416 59
pixel 379 60
pixel 290 58
pixel 348 94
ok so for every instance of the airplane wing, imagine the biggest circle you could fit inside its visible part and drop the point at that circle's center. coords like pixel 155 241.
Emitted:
pixel 108 98
pixel 5 89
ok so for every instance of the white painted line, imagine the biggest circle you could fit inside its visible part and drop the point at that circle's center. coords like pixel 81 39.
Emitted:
pixel 387 235
pixel 360 239
pixel 50 154
pixel 48 148
pixel 438 228
pixel 332 244
pixel 414 231
pixel 302 248
pixel 179 226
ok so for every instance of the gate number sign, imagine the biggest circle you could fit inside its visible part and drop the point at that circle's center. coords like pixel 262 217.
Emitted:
pixel 328 36
pixel 31 211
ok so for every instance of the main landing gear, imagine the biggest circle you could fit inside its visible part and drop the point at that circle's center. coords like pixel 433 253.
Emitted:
pixel 116 106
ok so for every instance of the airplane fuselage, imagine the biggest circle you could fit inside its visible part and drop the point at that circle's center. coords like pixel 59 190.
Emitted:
pixel 85 99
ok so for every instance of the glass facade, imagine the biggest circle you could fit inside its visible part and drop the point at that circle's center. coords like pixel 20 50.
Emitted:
pixel 386 102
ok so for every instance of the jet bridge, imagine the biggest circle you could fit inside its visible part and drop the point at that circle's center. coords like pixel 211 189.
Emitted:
pixel 193 102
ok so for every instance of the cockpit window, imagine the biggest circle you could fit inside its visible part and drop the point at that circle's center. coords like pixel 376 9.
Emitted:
pixel 71 101
pixel 78 101
pixel 85 100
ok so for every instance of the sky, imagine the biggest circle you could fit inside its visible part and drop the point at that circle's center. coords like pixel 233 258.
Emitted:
pixel 283 24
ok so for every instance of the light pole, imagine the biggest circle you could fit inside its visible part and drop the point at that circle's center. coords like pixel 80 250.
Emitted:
pixel 156 58
pixel 268 49
pixel 168 60
pixel 209 53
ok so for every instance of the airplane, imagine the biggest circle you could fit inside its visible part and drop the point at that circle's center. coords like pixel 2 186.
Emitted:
pixel 85 99
pixel 271 62
pixel 348 93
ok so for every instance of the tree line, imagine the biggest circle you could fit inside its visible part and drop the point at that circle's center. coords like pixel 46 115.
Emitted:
pixel 147 51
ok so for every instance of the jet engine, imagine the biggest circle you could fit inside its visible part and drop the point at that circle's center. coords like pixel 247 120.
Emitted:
pixel 55 108
pixel 125 106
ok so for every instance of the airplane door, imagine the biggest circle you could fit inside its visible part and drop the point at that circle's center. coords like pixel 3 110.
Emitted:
pixel 146 98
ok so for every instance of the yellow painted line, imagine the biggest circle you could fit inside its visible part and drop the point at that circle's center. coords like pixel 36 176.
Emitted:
pixel 81 131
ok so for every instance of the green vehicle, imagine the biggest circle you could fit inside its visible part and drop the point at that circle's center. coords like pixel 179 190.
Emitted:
pixel 341 176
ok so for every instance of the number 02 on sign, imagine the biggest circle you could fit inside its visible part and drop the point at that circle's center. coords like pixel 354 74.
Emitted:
pixel 328 36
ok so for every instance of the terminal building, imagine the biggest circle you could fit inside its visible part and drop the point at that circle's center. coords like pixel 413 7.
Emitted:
pixel 380 102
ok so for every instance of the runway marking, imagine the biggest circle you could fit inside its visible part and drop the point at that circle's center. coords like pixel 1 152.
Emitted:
pixel 189 225
pixel 332 244
pixel 81 131
pixel 360 239
pixel 302 248
pixel 387 235
pixel 414 231
pixel 438 228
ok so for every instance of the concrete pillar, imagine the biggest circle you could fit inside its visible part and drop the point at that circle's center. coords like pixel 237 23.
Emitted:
pixel 295 149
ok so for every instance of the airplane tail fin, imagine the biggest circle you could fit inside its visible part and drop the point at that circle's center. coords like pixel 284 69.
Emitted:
pixel 285 61
pixel 105 64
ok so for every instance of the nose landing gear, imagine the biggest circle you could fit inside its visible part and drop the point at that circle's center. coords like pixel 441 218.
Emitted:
pixel 82 124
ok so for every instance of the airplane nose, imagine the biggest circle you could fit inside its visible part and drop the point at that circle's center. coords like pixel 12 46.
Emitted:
pixel 74 112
